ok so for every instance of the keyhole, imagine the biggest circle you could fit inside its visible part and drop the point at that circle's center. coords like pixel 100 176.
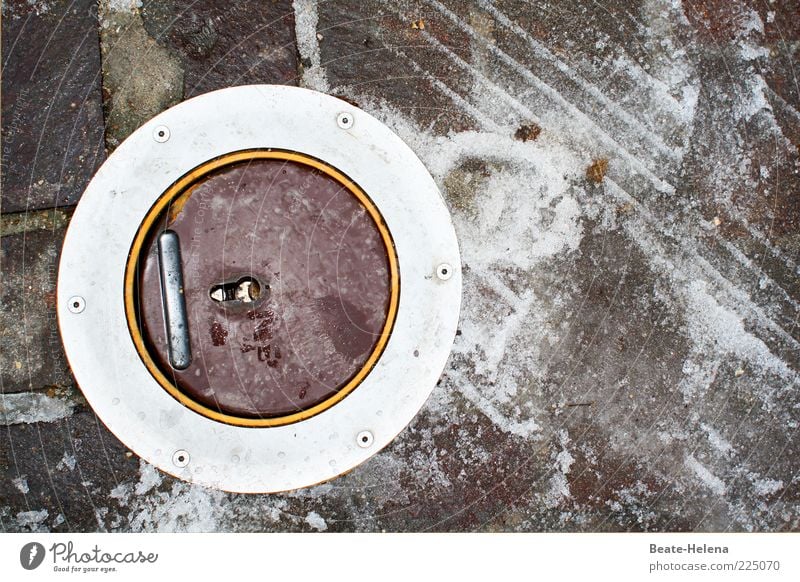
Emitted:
pixel 245 290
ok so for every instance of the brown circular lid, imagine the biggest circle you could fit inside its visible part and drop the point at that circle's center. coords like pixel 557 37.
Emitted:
pixel 288 282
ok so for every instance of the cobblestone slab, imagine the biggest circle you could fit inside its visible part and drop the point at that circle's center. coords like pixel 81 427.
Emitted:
pixel 226 43
pixel 52 115
pixel 32 357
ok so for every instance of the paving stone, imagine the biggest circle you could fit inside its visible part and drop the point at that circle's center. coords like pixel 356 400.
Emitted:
pixel 32 356
pixel 57 476
pixel 756 47
pixel 140 78
pixel 52 108
pixel 222 44
pixel 386 52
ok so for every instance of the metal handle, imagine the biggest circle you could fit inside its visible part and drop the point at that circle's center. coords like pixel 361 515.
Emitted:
pixel 174 302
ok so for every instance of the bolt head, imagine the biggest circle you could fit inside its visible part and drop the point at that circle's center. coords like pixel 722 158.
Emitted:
pixel 180 458
pixel 161 133
pixel 365 439
pixel 76 304
pixel 345 120
pixel 444 271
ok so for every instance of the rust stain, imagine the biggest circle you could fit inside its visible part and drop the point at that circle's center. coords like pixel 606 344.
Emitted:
pixel 177 205
pixel 219 335
pixel 528 132
pixel 269 355
pixel 597 171
pixel 263 330
pixel 267 314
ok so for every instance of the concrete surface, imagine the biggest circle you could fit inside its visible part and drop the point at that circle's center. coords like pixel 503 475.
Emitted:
pixel 625 182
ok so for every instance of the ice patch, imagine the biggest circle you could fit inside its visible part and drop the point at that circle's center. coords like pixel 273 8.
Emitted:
pixel 21 484
pixel 66 462
pixel 149 478
pixel 558 485
pixel 276 510
pixel 314 520
pixel 717 330
pixel 27 407
pixel 121 493
pixel 558 491
pixel 764 487
pixel 526 215
pixel 752 23
pixel 564 459
pixel 125 6
pixel 671 79
pixel 40 6
pixel 33 520
pixel 707 478
pixel 183 508
pixel 306 19
pixel 634 501
pixel 717 441
pixel 524 211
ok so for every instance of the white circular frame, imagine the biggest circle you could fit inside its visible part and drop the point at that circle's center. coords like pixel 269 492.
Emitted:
pixel 101 352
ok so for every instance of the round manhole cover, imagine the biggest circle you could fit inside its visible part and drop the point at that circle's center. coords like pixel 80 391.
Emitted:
pixel 289 283
pixel 269 284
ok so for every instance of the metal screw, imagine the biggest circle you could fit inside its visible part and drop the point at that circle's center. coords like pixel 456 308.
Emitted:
pixel 345 120
pixel 76 304
pixel 444 271
pixel 365 439
pixel 161 133
pixel 180 458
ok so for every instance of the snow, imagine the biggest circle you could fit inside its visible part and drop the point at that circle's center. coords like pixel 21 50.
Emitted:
pixel 150 477
pixel 314 520
pixel 21 484
pixel 183 508
pixel 129 6
pixel 27 407
pixel 557 492
pixel 558 487
pixel 306 26
pixel 717 330
pixel 764 487
pixel 33 520
pixel 705 476
pixel 525 213
pixel 67 462
pixel 717 440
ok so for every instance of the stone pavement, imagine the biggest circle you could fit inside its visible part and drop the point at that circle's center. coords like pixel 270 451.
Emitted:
pixel 625 181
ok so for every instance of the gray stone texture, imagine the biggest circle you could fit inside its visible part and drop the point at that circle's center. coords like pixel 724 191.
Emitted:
pixel 51 106
pixel 226 43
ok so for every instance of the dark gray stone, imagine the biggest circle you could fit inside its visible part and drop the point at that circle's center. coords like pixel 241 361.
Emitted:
pixel 377 50
pixel 56 476
pixel 52 112
pixel 223 44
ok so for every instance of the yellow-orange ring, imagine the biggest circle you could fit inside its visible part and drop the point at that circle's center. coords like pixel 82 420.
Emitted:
pixel 174 192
